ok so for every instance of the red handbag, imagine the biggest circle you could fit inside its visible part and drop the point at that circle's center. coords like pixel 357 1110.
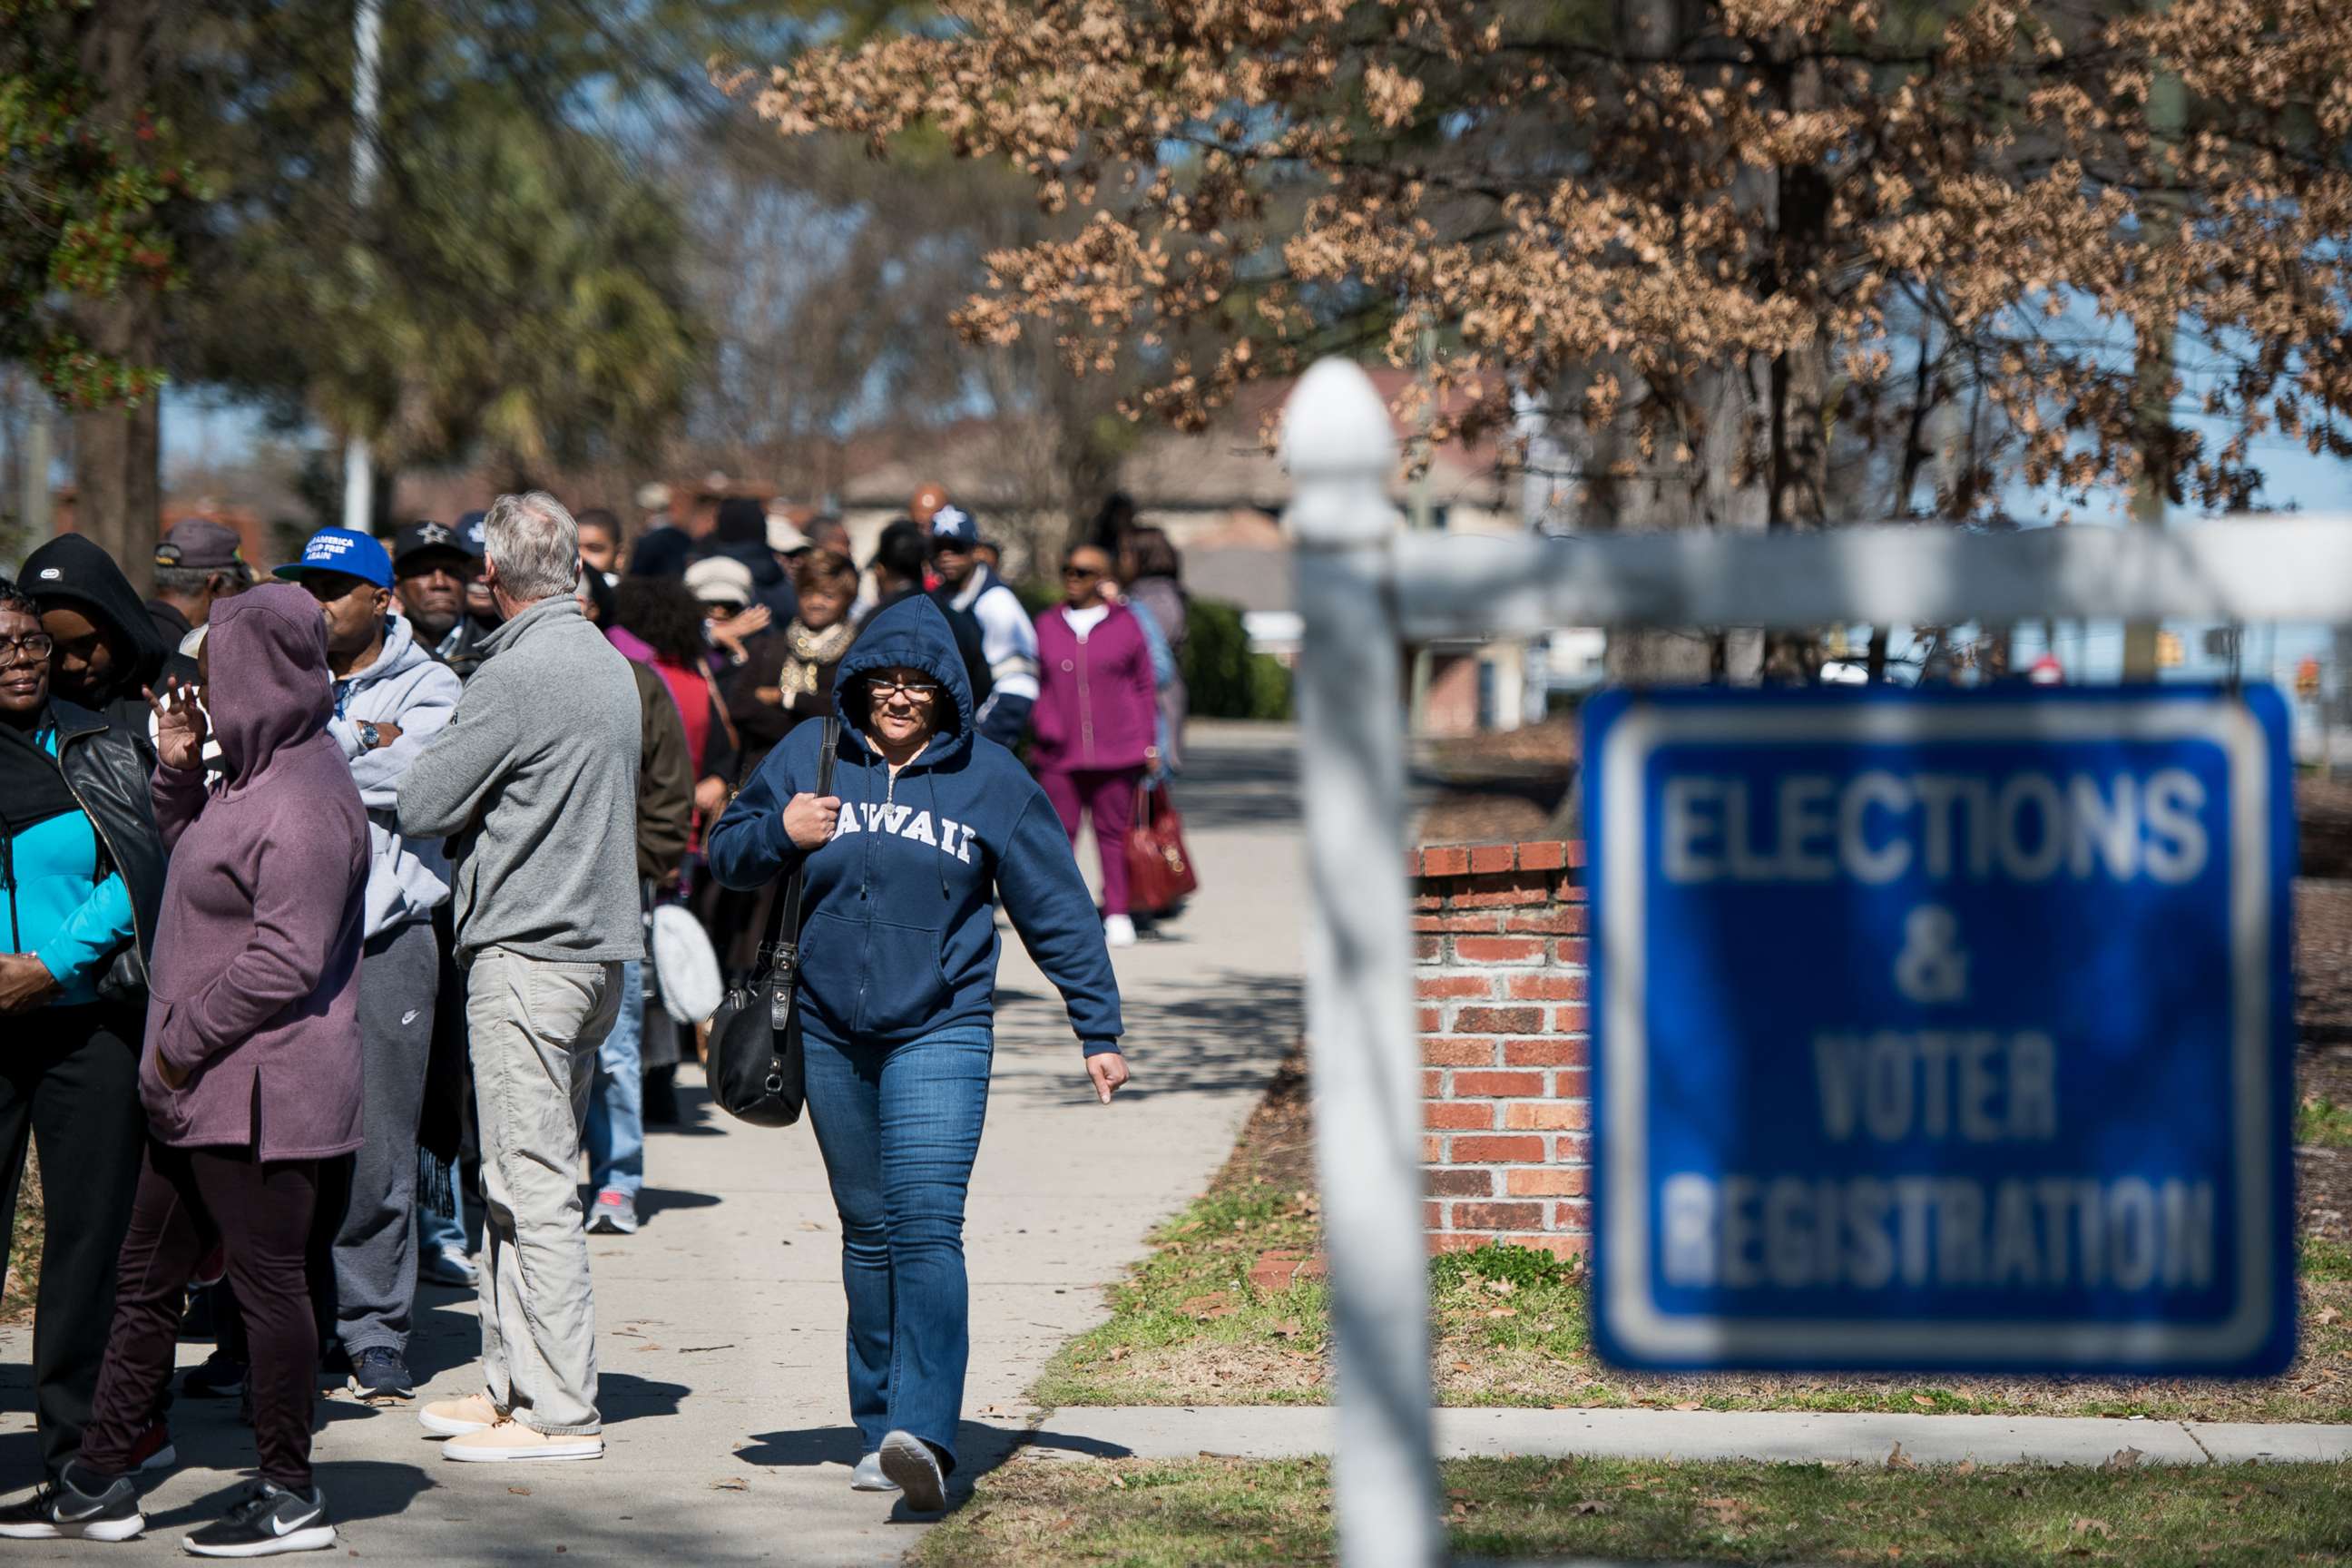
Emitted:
pixel 1158 868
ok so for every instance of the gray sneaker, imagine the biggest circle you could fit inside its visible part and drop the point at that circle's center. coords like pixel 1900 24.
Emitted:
pixel 908 1461
pixel 868 1476
pixel 63 1511
pixel 267 1521
pixel 612 1214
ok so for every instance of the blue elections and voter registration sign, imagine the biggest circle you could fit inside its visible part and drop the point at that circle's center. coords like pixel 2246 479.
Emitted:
pixel 1943 1030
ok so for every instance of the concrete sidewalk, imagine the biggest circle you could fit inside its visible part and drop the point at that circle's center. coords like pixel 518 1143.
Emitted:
pixel 1289 1431
pixel 720 1325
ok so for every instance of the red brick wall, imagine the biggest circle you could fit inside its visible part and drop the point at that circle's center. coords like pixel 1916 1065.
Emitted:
pixel 1504 1090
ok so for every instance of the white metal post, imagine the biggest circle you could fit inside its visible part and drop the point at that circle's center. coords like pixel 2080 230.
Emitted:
pixel 1367 1069
pixel 367 38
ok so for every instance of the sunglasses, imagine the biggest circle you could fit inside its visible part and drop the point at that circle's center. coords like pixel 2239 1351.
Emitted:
pixel 1081 574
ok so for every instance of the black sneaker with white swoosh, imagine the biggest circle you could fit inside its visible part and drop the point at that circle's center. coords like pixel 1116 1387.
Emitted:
pixel 267 1521
pixel 65 1510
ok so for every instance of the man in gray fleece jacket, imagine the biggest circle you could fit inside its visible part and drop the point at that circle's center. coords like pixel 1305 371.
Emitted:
pixel 534 783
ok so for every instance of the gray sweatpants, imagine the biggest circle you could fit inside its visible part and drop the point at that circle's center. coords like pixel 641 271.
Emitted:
pixel 532 1029
pixel 375 1245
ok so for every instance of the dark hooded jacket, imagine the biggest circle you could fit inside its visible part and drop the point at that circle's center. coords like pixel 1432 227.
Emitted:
pixel 255 970
pixel 742 534
pixel 898 928
pixel 70 570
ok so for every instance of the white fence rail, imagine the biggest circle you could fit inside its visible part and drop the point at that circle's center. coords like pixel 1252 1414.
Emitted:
pixel 1365 587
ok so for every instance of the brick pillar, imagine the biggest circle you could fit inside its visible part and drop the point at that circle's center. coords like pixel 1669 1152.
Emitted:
pixel 1501 976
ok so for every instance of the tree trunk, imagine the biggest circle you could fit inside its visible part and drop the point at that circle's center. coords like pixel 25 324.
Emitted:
pixel 118 452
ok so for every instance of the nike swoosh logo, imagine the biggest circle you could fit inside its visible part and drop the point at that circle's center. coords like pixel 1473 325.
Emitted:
pixel 279 1527
pixel 410 1017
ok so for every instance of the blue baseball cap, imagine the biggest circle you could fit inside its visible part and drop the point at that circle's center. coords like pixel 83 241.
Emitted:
pixel 342 550
pixel 474 534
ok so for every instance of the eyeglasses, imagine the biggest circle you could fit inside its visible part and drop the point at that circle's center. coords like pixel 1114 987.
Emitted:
pixel 1080 574
pixel 32 648
pixel 881 688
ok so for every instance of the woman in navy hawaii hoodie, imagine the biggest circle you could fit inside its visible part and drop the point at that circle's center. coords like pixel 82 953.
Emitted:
pixel 927 824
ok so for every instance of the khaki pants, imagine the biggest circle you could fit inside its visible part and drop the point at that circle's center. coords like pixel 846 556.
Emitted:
pixel 533 1028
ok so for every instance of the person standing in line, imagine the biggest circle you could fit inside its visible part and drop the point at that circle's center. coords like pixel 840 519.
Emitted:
pixel 534 783
pixel 432 566
pixel 83 866
pixel 251 1077
pixel 1153 574
pixel 615 1133
pixel 106 647
pixel 1007 636
pixel 1096 719
pixel 600 543
pixel 198 562
pixel 898 998
pixel 390 697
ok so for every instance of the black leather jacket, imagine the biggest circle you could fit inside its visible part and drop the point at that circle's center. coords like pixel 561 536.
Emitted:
pixel 108 772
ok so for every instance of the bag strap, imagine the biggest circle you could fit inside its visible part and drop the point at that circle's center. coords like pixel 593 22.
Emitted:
pixel 786 913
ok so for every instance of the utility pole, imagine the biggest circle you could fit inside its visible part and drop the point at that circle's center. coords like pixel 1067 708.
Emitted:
pixel 2167 113
pixel 367 39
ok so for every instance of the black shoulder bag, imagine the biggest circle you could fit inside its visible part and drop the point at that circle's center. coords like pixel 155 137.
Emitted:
pixel 754 1064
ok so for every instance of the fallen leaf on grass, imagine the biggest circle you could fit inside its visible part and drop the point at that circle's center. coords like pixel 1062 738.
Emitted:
pixel 1924 1401
pixel 1690 1404
pixel 1591 1505
pixel 1288 1328
pixel 1502 1311
pixel 2091 1526
pixel 2328 1315
pixel 1462 1366
pixel 2122 1459
pixel 520 1491
pixel 1119 1480
pixel 1501 1287
pixel 1218 1304
pixel 1896 1459
pixel 1121 1352
pixel 1965 1468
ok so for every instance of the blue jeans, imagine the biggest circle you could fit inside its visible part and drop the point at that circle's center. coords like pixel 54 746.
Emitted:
pixel 439 1230
pixel 898 1126
pixel 617 1111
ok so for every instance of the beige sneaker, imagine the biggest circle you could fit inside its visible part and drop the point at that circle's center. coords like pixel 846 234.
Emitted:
pixel 456 1417
pixel 511 1440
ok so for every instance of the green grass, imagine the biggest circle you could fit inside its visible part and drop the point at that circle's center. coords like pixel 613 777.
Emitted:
pixel 2321 1121
pixel 1151 1514
pixel 1511 1329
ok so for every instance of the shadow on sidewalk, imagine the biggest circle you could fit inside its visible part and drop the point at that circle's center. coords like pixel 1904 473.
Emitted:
pixel 1223 1032
pixel 978 1450
pixel 357 1490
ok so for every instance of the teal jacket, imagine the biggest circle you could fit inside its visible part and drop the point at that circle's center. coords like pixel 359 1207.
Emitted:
pixel 66 905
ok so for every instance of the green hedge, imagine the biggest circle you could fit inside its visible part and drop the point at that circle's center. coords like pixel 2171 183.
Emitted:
pixel 1223 678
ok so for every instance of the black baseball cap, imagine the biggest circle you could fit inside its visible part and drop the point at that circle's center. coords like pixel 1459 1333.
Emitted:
pixel 430 538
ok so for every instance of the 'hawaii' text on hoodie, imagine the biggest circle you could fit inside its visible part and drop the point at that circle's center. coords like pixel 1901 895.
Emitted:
pixel 898 930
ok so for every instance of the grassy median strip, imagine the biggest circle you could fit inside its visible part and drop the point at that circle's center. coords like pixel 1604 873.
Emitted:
pixel 1240 1511
pixel 1189 1327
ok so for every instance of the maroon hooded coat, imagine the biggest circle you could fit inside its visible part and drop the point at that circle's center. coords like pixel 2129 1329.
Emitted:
pixel 1097 706
pixel 258 949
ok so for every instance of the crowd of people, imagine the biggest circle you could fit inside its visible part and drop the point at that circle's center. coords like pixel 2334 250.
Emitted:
pixel 329 895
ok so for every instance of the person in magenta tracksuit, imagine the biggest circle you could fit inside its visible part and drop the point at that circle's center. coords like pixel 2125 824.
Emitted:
pixel 251 1072
pixel 1092 731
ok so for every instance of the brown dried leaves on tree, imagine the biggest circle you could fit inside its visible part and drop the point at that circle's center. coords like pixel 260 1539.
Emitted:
pixel 1864 208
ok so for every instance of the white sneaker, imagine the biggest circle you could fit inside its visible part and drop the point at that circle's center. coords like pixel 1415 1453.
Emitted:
pixel 510 1442
pixel 1119 930
pixel 908 1461
pixel 868 1476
